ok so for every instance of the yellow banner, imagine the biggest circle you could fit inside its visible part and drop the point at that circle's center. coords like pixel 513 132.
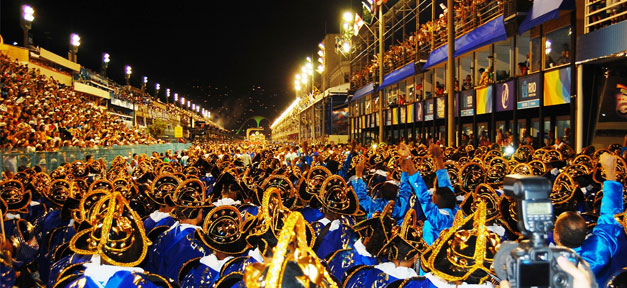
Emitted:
pixel 178 132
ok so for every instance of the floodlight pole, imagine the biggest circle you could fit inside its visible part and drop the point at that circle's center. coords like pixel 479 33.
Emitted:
pixel 450 85
pixel 381 27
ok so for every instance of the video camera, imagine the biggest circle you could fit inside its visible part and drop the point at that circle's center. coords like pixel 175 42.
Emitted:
pixel 531 263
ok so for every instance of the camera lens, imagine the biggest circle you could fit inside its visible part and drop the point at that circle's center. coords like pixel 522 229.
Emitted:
pixel 560 280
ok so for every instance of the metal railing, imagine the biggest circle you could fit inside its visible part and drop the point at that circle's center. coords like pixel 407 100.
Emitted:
pixel 48 161
pixel 602 13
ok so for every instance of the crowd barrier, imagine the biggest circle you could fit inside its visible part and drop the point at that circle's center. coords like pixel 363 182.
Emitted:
pixel 48 161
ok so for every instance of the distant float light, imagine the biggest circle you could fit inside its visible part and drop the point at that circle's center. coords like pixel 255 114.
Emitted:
pixel 321 46
pixel 167 92
pixel 345 26
pixel 320 60
pixel 28 13
pixel 188 104
pixel 308 59
pixel 106 58
pixel 145 79
pixel 509 150
pixel 348 16
pixel 75 40
pixel 14 43
pixel 182 100
pixel 176 96
pixel 346 46
pixel 157 86
pixel 128 70
pixel 320 68
pixel 297 76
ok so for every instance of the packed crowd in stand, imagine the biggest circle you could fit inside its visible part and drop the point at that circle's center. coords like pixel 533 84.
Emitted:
pixel 38 113
pixel 468 15
pixel 234 215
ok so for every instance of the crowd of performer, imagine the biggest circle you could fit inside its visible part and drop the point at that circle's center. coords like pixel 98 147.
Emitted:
pixel 233 215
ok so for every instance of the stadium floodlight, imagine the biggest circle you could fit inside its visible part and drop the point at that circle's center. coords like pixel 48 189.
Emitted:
pixel 127 73
pixel 75 40
pixel 106 58
pixel 28 16
pixel 28 13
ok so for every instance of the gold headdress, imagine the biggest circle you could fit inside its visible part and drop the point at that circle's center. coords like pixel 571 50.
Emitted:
pixel 292 247
pixel 464 252
pixel 117 234
pixel 12 192
pixel 407 241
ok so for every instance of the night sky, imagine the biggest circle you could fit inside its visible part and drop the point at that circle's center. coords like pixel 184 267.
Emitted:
pixel 236 58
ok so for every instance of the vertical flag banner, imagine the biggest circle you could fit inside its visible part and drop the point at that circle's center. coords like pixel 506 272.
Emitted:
pixel 484 100
pixel 410 113
pixel 388 117
pixel 505 96
pixel 395 116
pixel 528 91
pixel 468 103
pixel 428 109
pixel 557 87
pixel 440 105
pixel 419 112
pixel 358 23
pixel 403 114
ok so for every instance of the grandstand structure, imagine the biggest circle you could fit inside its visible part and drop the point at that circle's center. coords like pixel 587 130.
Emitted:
pixel 546 69
pixel 122 101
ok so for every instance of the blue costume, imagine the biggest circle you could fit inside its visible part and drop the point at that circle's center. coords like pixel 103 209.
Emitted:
pixel 156 219
pixel 437 219
pixel 338 236
pixel 63 263
pixel 311 215
pixel 7 273
pixel 205 272
pixel 343 260
pixel 173 248
pixel 121 277
pixel 599 247
pixel 619 260
pixel 401 202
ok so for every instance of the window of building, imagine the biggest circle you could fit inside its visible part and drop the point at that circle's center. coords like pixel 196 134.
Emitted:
pixel 522 54
pixel 536 50
pixel 466 71
pixel 557 47
pixel 503 59
pixel 402 92
pixel 428 84
pixel 483 66
pixel 440 80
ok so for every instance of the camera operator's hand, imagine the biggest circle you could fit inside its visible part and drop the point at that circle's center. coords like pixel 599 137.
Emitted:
pixel 608 162
pixel 581 277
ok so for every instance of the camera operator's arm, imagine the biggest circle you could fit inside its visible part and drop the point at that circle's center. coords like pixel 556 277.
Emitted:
pixel 600 246
pixel 441 173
